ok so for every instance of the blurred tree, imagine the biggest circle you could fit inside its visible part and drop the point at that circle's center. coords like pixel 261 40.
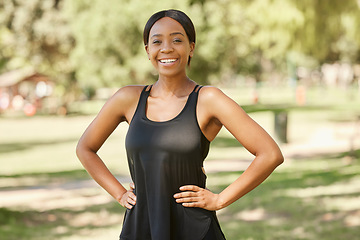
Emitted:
pixel 222 51
pixel 109 49
pixel 35 33
pixel 108 40
pixel 274 25
pixel 244 37
pixel 96 44
pixel 330 32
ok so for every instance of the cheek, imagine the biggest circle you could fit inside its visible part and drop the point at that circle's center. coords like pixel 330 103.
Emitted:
pixel 154 51
pixel 151 55
pixel 186 52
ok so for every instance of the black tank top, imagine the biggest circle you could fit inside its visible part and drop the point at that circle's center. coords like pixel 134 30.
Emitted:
pixel 162 157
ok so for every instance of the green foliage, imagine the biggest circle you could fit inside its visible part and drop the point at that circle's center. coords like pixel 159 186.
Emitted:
pixel 34 33
pixel 95 44
pixel 275 21
pixel 109 50
pixel 330 31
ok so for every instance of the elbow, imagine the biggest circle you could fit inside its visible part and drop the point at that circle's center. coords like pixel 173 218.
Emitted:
pixel 280 160
pixel 84 153
pixel 277 158
pixel 80 151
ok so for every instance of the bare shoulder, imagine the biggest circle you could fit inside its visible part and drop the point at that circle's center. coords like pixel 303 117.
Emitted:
pixel 128 93
pixel 216 104
pixel 123 103
pixel 210 90
pixel 212 95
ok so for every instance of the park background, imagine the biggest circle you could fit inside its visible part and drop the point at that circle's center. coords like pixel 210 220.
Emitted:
pixel 294 66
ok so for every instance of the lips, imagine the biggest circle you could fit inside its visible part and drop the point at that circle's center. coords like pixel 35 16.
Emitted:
pixel 168 60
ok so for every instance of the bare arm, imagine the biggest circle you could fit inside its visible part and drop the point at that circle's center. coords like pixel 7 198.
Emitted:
pixel 217 108
pixel 117 109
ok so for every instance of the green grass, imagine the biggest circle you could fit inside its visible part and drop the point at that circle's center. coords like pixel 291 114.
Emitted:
pixel 59 223
pixel 306 198
pixel 47 144
pixel 295 203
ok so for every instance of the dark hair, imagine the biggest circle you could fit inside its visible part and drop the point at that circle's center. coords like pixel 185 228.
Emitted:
pixel 178 16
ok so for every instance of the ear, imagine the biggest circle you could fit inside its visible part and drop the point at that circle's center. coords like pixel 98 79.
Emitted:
pixel 147 51
pixel 192 48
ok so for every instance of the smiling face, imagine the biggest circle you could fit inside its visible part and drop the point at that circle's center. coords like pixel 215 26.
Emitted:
pixel 169 48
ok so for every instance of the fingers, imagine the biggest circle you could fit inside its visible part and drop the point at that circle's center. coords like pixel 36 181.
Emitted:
pixel 131 198
pixel 128 200
pixel 193 204
pixel 128 206
pixel 194 196
pixel 190 200
pixel 190 188
pixel 188 191
pixel 185 195
pixel 190 196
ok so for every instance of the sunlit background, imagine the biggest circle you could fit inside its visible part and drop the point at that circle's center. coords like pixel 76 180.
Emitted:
pixel 294 66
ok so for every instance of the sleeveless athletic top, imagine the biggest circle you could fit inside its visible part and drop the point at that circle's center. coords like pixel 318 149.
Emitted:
pixel 162 157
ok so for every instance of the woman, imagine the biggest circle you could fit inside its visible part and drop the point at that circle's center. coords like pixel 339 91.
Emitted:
pixel 171 124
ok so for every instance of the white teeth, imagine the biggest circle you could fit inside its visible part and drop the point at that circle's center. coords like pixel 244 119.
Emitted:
pixel 167 60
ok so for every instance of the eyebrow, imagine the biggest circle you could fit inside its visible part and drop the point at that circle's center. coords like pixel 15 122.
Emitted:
pixel 171 34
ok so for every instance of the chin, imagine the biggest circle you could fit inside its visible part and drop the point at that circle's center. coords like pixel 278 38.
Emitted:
pixel 170 73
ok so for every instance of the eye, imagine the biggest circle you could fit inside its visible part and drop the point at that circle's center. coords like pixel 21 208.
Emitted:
pixel 156 41
pixel 177 40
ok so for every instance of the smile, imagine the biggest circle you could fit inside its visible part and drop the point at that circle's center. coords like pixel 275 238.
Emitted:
pixel 168 60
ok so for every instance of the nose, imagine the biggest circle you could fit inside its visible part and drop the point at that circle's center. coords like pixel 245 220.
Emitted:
pixel 167 47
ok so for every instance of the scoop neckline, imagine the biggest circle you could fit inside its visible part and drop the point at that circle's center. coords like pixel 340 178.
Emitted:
pixel 166 121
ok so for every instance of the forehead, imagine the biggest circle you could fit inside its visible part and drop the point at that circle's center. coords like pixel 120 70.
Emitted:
pixel 165 26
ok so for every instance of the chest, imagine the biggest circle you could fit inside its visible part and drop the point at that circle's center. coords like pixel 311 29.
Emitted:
pixel 161 110
pixel 177 136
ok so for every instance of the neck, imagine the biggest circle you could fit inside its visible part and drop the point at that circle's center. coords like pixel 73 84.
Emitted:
pixel 173 86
